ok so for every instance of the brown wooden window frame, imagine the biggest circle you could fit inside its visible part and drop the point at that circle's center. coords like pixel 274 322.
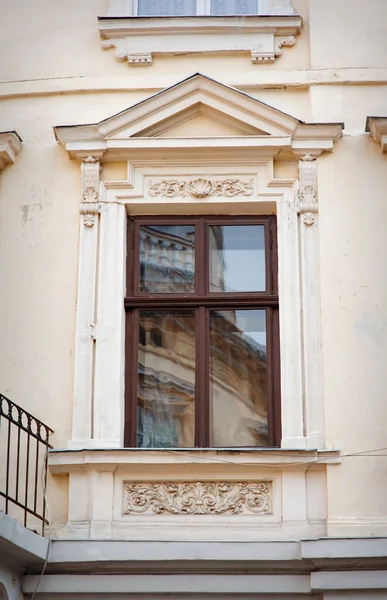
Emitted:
pixel 202 300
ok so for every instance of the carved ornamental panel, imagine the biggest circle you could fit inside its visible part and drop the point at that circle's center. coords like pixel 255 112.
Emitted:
pixel 201 188
pixel 198 498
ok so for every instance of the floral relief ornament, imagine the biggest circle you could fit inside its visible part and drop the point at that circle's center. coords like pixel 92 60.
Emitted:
pixel 198 498
pixel 307 194
pixel 201 188
pixel 90 183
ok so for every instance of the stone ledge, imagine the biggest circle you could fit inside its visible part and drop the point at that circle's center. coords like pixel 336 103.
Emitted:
pixel 262 36
pixel 20 546
pixel 64 461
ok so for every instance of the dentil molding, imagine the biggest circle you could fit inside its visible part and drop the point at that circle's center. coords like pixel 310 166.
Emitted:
pixel 198 498
pixel 10 146
pixel 201 188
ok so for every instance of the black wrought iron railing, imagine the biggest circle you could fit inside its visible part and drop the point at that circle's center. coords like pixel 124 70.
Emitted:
pixel 24 441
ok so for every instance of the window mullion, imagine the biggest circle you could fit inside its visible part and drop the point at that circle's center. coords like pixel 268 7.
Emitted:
pixel 203 7
pixel 201 379
pixel 131 378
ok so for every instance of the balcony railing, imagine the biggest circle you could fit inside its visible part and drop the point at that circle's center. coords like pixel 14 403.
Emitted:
pixel 24 441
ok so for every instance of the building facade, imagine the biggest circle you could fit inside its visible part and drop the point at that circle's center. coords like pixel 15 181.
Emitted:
pixel 193 314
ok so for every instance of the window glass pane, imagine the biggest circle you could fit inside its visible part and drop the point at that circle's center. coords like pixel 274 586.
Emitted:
pixel 238 378
pixel 237 258
pixel 234 7
pixel 166 379
pixel 167 259
pixel 166 7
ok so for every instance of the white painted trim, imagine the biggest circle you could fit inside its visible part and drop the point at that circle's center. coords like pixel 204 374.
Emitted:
pixel 345 547
pixel 109 351
pixel 130 136
pixel 312 363
pixel 65 461
pixel 83 363
pixel 86 299
pixel 344 580
pixel 290 325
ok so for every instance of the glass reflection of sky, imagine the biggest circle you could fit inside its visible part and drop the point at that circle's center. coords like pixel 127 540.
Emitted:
pixel 243 258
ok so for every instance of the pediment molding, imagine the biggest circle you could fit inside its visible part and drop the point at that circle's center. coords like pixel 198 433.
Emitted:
pixel 260 129
pixel 10 146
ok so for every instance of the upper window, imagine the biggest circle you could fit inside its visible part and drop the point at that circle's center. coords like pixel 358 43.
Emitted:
pixel 196 7
pixel 202 333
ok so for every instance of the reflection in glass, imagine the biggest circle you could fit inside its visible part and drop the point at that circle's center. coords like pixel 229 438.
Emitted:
pixel 237 258
pixel 233 7
pixel 166 379
pixel 238 378
pixel 166 8
pixel 167 259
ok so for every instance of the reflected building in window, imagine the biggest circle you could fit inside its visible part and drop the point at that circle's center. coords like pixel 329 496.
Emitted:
pixel 167 352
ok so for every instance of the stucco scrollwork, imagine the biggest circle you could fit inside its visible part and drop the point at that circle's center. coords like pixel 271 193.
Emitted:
pixel 201 188
pixel 288 40
pixel 89 210
pixel 307 194
pixel 198 498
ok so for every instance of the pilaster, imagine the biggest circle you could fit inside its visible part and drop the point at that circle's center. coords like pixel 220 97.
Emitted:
pixel 109 333
pixel 290 325
pixel 86 304
pixel 314 417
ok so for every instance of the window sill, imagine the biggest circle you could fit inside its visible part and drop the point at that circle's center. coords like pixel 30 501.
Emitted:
pixel 137 39
pixel 62 461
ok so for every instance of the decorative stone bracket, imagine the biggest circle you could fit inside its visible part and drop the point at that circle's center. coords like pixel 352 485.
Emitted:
pixel 10 146
pixel 377 127
pixel 90 190
pixel 307 194
pixel 261 54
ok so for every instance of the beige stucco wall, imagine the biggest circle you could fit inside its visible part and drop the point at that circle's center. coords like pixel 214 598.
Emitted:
pixel 51 75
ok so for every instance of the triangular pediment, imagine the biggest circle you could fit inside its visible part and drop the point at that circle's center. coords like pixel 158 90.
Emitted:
pixel 200 121
pixel 196 108
pixel 239 113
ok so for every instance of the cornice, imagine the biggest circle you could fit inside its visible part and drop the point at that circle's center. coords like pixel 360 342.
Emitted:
pixel 137 39
pixel 10 146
